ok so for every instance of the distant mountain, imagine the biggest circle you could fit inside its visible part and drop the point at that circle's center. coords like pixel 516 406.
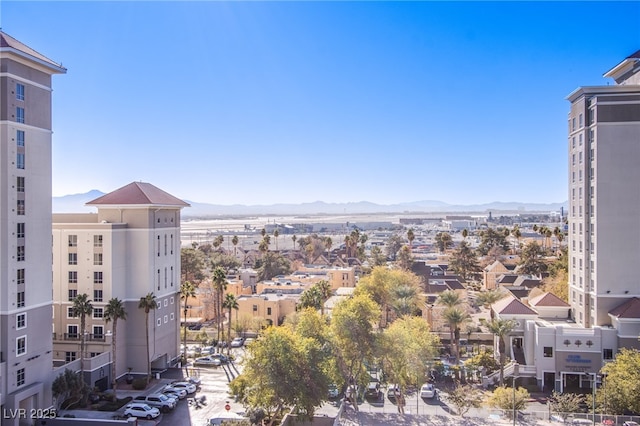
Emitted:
pixel 76 204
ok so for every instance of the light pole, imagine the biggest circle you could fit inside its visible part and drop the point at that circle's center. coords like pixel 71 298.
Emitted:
pixel 593 391
pixel 513 385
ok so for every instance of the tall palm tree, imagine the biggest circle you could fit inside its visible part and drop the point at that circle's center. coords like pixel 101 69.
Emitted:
pixel 411 236
pixel 230 302
pixel 465 233
pixel 501 328
pixel 455 316
pixel 517 234
pixel 294 238
pixel 81 308
pixel 148 303
pixel 187 290
pixel 276 234
pixel 449 298
pixel 328 242
pixel 488 298
pixel 324 289
pixel 113 312
pixel 235 241
pixel 219 279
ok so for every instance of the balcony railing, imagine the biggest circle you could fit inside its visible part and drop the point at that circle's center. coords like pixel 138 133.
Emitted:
pixel 88 337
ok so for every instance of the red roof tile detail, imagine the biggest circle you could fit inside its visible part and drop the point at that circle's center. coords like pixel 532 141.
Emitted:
pixel 548 299
pixel 512 306
pixel 629 309
pixel 138 193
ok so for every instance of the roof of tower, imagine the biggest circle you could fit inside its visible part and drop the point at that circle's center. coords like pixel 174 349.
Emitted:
pixel 7 42
pixel 138 193
pixel 629 309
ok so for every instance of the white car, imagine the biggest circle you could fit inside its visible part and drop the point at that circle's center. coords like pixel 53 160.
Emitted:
pixel 427 391
pixel 237 342
pixel 178 393
pixel 189 387
pixel 141 410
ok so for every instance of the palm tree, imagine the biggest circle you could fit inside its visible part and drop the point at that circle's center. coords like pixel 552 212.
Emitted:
pixel 113 312
pixel 488 298
pixel 276 234
pixel 235 241
pixel 465 233
pixel 449 298
pixel 328 242
pixel 148 303
pixel 187 290
pixel 410 236
pixel 325 293
pixel 517 234
pixel 501 328
pixel 81 308
pixel 219 279
pixel 294 238
pixel 230 302
pixel 455 316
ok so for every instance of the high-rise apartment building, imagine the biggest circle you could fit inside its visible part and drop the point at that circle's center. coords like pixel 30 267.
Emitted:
pixel 130 248
pixel 25 228
pixel 604 194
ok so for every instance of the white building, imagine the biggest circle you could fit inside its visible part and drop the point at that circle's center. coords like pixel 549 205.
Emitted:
pixel 25 228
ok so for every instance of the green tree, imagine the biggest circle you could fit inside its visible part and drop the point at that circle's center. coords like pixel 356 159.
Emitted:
pixel 406 299
pixel 490 238
pixel 405 260
pixel 517 234
pixel 225 261
pixel 443 241
pixel 622 383
pixel 393 245
pixel 276 234
pixel 273 264
pixel 449 298
pixel 230 302
pixel 377 257
pixel 114 311
pixel 501 328
pixel 235 242
pixel 465 233
pixel 455 317
pixel 505 399
pixel 219 281
pixel 192 264
pixel 69 388
pixel 483 360
pixel 464 398
pixel 81 308
pixel 464 261
pixel 187 291
pixel 294 238
pixel 488 298
pixel 532 260
pixel 564 404
pixel 410 236
pixel 328 243
pixel 148 303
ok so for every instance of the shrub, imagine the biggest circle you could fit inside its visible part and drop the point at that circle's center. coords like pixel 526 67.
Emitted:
pixel 114 406
pixel 140 383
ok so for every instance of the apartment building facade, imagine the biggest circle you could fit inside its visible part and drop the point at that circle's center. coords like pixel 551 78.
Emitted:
pixel 25 227
pixel 130 248
pixel 604 194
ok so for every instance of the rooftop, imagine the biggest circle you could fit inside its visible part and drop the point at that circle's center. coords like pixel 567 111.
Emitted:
pixel 140 194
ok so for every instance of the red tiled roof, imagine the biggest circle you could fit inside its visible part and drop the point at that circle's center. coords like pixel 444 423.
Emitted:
pixel 138 193
pixel 512 306
pixel 548 299
pixel 629 309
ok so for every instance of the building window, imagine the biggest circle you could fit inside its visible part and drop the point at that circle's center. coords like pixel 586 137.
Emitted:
pixel 165 244
pixel 98 313
pixel 20 299
pixel 158 279
pixel 255 308
pixel 166 303
pixel 20 115
pixel 165 277
pixel 171 243
pixel 158 245
pixel 97 277
pixel 73 241
pixel 94 354
pixel 172 277
pixel 72 294
pixel 98 331
pixel 69 357
pixel 20 208
pixel 20 276
pixel 73 258
pixel 172 316
pixel 20 137
pixel 20 160
pixel 159 322
pixel 97 295
pixel 72 331
pixel 97 240
pixel 20 230
pixel 97 259
pixel 166 319
pixel 71 313
pixel 171 300
pixel 607 354
pixel 268 311
pixel 21 345
pixel 21 320
pixel 20 184
pixel 20 254
pixel 20 377
pixel 19 92
pixel 73 277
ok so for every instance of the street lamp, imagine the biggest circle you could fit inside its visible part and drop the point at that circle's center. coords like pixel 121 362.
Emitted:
pixel 593 392
pixel 513 385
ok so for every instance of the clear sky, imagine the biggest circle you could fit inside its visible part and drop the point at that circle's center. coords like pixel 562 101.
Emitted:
pixel 269 102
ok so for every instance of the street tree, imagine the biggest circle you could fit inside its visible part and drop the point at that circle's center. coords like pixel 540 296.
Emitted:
pixel 230 302
pixel 192 264
pixel 622 383
pixel 506 399
pixel 148 303
pixel 81 308
pixel 464 398
pixel 114 311
pixel 532 260
pixel 219 282
pixel 187 291
pixel 443 241
pixel 464 261
pixel 455 317
pixel 564 404
pixel 501 328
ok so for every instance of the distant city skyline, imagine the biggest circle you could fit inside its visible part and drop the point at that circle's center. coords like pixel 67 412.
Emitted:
pixel 294 102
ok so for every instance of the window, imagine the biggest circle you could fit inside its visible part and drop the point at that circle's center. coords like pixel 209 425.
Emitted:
pixel 98 313
pixel 171 243
pixel 172 277
pixel 97 277
pixel 94 354
pixel 607 354
pixel 159 306
pixel 97 240
pixel 580 120
pixel 20 276
pixel 20 209
pixel 73 241
pixel 20 377
pixel 20 137
pixel 20 230
pixel 73 258
pixel 159 322
pixel 73 277
pixel 20 115
pixel 97 295
pixel 21 345
pixel 71 314
pixel 20 299
pixel 165 277
pixel 166 302
pixel 97 259
pixel 573 124
pixel 255 308
pixel 171 300
pixel 98 331
pixel 72 331
pixel 69 356
pixel 21 320
pixel 165 244
pixel 172 316
pixel 19 92
pixel 20 184
pixel 158 279
pixel 20 253
pixel 268 311
pixel 20 160
pixel 166 319
pixel 72 295
pixel 158 245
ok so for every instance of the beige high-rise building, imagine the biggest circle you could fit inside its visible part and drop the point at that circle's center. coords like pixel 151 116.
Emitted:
pixel 25 229
pixel 130 248
pixel 604 194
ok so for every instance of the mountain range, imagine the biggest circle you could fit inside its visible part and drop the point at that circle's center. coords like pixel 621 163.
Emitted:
pixel 75 203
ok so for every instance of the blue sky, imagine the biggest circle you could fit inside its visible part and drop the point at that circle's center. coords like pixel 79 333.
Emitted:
pixel 269 102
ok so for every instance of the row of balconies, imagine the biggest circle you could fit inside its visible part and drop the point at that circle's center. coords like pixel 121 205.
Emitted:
pixel 76 336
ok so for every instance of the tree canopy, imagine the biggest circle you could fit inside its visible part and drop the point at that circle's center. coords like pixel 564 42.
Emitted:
pixel 464 261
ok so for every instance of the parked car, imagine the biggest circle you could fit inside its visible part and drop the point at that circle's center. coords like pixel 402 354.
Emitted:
pixel 373 390
pixel 194 381
pixel 159 400
pixel 427 391
pixel 630 423
pixel 196 326
pixel 237 342
pixel 334 392
pixel 211 360
pixel 141 410
pixel 178 393
pixel 189 387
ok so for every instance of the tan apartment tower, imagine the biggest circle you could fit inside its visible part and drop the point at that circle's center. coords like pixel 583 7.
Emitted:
pixel 25 228
pixel 604 194
pixel 130 248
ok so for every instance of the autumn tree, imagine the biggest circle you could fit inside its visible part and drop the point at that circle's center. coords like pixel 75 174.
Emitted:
pixel 464 398
pixel 564 404
pixel 622 383
pixel 506 399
